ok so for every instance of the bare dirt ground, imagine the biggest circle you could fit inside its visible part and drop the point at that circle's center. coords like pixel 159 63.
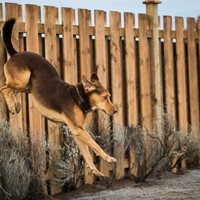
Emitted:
pixel 166 187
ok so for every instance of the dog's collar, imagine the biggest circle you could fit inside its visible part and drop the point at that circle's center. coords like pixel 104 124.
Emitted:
pixel 83 102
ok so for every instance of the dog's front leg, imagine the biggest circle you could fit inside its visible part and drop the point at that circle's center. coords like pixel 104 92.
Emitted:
pixel 85 137
pixel 87 156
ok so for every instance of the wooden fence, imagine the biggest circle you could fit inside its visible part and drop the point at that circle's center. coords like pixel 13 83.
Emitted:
pixel 122 58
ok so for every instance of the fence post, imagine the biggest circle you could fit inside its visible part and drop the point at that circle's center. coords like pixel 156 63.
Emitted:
pixel 157 96
pixel 3 108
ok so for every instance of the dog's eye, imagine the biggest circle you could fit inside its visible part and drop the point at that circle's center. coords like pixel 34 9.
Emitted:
pixel 104 97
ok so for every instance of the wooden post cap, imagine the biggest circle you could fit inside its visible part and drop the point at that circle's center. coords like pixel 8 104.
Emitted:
pixel 151 1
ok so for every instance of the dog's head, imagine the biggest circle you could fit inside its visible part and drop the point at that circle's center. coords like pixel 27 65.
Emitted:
pixel 99 97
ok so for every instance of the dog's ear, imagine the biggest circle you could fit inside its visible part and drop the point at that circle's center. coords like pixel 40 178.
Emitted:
pixel 94 77
pixel 87 85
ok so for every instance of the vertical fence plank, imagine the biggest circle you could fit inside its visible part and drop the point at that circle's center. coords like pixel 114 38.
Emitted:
pixel 181 75
pixel 68 20
pixel 36 120
pixel 198 28
pixel 181 79
pixel 169 70
pixel 131 71
pixel 51 54
pixel 1 12
pixel 117 89
pixel 3 109
pixel 84 18
pixel 193 76
pixel 32 40
pixel 156 69
pixel 32 44
pixel 102 71
pixel 145 87
pixel 15 11
pixel 193 71
pixel 131 82
pixel 145 73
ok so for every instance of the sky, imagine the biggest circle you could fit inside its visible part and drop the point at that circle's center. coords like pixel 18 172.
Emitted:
pixel 185 8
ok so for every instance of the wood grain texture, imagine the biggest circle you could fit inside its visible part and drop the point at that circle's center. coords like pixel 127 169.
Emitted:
pixel 102 71
pixel 3 106
pixel 69 64
pixel 84 18
pixel 193 76
pixel 169 70
pixel 181 80
pixel 145 74
pixel 117 90
pixel 131 83
pixel 14 10
pixel 51 54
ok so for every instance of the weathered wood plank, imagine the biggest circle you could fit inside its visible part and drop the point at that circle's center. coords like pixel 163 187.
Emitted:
pixel 131 82
pixel 51 54
pixel 193 77
pixel 70 70
pixel 3 108
pixel 156 69
pixel 145 74
pixel 198 29
pixel 15 11
pixel 181 76
pixel 131 70
pixel 181 79
pixel 36 120
pixel 117 90
pixel 84 18
pixel 102 71
pixel 32 44
pixel 169 70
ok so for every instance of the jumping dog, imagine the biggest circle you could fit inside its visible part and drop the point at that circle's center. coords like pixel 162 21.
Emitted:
pixel 55 99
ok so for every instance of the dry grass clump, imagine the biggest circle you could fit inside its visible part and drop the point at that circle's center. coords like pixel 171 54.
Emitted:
pixel 18 179
pixel 154 151
pixel 159 150
pixel 68 166
pixel 162 149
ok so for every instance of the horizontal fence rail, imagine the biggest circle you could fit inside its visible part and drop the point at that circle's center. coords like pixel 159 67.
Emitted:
pixel 122 58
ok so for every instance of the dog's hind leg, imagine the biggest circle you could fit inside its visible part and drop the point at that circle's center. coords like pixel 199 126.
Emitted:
pixel 8 95
pixel 17 80
pixel 11 98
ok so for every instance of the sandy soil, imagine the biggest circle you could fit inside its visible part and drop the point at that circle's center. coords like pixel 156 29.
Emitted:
pixel 167 187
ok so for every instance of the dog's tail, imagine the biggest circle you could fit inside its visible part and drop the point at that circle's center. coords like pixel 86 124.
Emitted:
pixel 6 34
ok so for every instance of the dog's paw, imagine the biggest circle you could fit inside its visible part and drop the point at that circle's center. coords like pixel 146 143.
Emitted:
pixel 11 109
pixel 17 107
pixel 95 171
pixel 110 159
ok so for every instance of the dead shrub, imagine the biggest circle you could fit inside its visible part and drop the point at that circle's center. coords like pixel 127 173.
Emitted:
pixel 18 178
pixel 154 151
pixel 67 164
pixel 157 150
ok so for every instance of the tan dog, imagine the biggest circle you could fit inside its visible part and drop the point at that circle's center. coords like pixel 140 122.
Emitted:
pixel 54 98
